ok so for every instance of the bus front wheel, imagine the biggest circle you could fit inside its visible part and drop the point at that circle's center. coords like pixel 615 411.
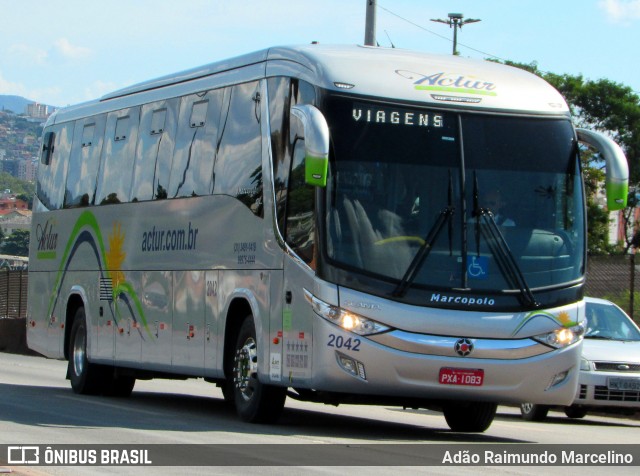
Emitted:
pixel 255 402
pixel 470 417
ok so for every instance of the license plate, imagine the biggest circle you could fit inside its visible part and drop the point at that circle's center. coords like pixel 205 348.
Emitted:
pixel 451 376
pixel 620 383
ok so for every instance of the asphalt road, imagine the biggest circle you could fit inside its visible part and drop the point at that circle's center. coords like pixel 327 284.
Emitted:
pixel 37 407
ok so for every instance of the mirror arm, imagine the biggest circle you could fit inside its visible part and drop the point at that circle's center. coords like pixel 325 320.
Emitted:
pixel 617 180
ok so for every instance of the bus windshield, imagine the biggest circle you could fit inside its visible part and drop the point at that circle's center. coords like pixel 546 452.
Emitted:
pixel 435 199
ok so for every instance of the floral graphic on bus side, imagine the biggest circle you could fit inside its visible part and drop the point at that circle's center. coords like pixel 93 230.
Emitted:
pixel 116 255
pixel 563 318
pixel 87 232
pixel 123 291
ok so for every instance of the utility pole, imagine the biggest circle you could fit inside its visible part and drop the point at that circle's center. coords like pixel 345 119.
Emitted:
pixel 370 27
pixel 455 21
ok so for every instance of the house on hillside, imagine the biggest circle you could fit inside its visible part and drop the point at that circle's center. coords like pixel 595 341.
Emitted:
pixel 10 202
pixel 14 214
pixel 15 220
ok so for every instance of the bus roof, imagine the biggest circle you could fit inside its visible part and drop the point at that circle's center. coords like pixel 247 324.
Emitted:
pixel 369 71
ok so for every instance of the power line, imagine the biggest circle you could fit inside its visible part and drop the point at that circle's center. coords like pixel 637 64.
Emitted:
pixel 448 39
pixel 437 34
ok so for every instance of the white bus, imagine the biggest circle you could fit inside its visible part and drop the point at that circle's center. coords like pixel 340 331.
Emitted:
pixel 323 223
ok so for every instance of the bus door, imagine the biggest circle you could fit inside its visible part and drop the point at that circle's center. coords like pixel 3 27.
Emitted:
pixel 299 265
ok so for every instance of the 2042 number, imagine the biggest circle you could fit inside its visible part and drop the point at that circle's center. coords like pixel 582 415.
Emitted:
pixel 340 342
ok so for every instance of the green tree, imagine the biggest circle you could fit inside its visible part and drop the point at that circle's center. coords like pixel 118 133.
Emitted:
pixel 17 186
pixel 17 243
pixel 615 110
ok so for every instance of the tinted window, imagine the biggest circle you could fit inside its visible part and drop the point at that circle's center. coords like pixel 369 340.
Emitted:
pixel 156 140
pixel 238 169
pixel 284 93
pixel 300 225
pixel 511 218
pixel 51 177
pixel 84 161
pixel 114 181
pixel 195 150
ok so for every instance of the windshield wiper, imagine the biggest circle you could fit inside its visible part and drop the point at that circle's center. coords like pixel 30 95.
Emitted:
pixel 422 254
pixel 500 250
pixel 445 217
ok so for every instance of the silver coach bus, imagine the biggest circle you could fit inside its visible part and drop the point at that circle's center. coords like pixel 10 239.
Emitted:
pixel 333 224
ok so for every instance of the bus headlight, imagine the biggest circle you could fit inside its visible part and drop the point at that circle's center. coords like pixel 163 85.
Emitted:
pixel 348 320
pixel 562 337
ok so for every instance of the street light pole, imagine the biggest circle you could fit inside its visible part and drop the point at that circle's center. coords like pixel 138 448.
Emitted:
pixel 455 21
pixel 370 27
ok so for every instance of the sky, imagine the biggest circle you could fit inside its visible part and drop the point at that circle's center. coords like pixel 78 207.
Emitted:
pixel 62 52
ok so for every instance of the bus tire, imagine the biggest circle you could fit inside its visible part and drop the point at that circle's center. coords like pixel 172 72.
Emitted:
pixel 470 417
pixel 575 411
pixel 255 402
pixel 533 412
pixel 86 378
pixel 118 385
pixel 228 393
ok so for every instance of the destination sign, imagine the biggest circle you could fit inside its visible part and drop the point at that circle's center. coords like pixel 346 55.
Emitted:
pixel 396 116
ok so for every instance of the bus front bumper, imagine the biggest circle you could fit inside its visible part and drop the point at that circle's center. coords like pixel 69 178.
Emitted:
pixel 412 365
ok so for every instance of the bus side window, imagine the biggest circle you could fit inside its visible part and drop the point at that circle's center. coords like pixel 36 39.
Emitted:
pixel 47 147
pixel 283 94
pixel 195 147
pixel 118 153
pixel 238 166
pixel 84 161
pixel 154 153
pixel 52 174
pixel 300 224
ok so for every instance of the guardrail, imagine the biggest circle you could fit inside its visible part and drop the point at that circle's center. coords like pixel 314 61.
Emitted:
pixel 13 294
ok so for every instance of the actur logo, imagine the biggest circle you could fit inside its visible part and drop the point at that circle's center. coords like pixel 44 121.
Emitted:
pixel 449 82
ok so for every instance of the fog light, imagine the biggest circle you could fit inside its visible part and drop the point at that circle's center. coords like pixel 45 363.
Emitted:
pixel 351 365
pixel 558 379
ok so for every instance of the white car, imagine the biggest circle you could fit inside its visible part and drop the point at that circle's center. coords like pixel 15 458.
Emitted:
pixel 610 367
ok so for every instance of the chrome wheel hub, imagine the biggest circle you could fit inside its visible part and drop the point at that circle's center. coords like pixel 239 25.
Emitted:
pixel 245 371
pixel 78 353
pixel 527 407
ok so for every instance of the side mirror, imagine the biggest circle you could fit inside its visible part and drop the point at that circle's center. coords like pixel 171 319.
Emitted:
pixel 316 140
pixel 617 175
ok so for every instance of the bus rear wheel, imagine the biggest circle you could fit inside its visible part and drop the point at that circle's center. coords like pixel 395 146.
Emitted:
pixel 119 385
pixel 86 378
pixel 255 402
pixel 470 417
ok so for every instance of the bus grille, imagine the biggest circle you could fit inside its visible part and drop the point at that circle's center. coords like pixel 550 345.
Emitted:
pixel 603 393
pixel 106 289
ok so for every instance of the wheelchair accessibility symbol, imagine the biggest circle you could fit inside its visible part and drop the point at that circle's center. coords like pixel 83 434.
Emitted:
pixel 478 267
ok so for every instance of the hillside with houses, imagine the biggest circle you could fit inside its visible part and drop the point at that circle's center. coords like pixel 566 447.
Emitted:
pixel 20 132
